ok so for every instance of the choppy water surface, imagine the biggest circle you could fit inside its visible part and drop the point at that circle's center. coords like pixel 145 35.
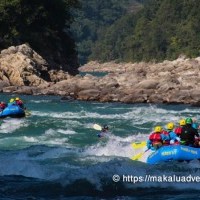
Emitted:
pixel 56 154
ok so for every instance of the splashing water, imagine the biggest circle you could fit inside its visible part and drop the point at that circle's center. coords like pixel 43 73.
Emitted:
pixel 57 147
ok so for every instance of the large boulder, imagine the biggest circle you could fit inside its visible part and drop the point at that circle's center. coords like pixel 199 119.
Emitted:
pixel 23 66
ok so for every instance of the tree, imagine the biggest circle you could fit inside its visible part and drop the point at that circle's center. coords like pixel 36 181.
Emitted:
pixel 43 24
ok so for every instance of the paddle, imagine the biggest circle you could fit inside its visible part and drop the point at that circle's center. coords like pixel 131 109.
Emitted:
pixel 139 155
pixel 137 145
pixel 27 113
pixel 97 127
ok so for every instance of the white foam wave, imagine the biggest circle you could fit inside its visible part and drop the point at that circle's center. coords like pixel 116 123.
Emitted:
pixel 40 101
pixel 11 125
pixel 52 132
pixel 115 146
pixel 137 115
pixel 30 139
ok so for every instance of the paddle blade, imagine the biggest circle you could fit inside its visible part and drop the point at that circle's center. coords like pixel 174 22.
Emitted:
pixel 138 156
pixel 137 145
pixel 27 113
pixel 97 127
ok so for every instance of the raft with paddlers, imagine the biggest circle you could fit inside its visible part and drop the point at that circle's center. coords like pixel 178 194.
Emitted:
pixel 167 145
pixel 15 108
pixel 168 153
pixel 174 152
pixel 12 111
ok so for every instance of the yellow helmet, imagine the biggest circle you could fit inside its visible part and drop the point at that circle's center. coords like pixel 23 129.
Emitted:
pixel 170 126
pixel 17 98
pixel 158 129
pixel 182 122
pixel 12 100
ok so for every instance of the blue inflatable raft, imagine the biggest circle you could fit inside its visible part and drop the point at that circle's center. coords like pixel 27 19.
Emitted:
pixel 173 152
pixel 12 111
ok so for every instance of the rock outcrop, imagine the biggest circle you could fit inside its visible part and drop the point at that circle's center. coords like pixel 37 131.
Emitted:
pixel 22 70
pixel 22 66
pixel 167 82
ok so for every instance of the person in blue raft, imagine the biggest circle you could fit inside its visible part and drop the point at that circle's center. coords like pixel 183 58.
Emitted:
pixel 189 133
pixel 104 132
pixel 19 102
pixel 159 137
pixel 156 139
pixel 3 105
pixel 172 136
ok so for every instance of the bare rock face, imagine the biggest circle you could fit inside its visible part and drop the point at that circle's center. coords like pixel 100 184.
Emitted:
pixel 175 81
pixel 22 70
pixel 22 66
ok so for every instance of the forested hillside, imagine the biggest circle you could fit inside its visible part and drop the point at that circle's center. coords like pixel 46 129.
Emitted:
pixel 164 29
pixel 92 19
pixel 44 25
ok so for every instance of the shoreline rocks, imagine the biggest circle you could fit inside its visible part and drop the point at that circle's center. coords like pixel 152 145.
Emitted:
pixel 23 71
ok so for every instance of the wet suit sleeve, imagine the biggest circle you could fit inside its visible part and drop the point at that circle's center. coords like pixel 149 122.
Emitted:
pixel 173 136
pixel 164 137
pixel 196 133
pixel 149 144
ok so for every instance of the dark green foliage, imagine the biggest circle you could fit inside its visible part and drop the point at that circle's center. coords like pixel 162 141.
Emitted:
pixel 44 24
pixel 94 17
pixel 164 29
pixel 115 41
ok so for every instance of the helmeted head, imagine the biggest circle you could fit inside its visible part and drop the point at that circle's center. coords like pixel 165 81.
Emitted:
pixel 12 100
pixel 17 98
pixel 158 129
pixel 105 127
pixel 182 122
pixel 188 120
pixel 170 126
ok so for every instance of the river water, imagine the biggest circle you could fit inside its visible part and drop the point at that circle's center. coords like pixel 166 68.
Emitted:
pixel 56 154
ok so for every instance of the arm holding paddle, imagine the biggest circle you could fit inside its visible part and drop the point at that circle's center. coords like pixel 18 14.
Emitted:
pixel 104 130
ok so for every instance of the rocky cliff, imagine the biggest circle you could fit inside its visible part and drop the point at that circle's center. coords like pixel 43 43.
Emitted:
pixel 22 70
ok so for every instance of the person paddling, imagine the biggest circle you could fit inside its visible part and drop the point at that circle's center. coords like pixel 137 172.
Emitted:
pixel 156 139
pixel 104 131
pixel 173 138
pixel 2 105
pixel 11 102
pixel 188 133
pixel 19 102
pixel 178 130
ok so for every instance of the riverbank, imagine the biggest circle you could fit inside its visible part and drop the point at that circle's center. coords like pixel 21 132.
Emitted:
pixel 23 71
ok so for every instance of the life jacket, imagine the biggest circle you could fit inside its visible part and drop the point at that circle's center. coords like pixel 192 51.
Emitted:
pixel 178 130
pixel 2 106
pixel 166 142
pixel 20 103
pixel 155 138
pixel 165 132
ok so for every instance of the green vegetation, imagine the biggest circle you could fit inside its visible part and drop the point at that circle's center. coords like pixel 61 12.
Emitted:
pixel 44 24
pixel 94 17
pixel 164 29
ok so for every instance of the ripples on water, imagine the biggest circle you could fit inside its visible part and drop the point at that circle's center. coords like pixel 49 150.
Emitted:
pixel 55 153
